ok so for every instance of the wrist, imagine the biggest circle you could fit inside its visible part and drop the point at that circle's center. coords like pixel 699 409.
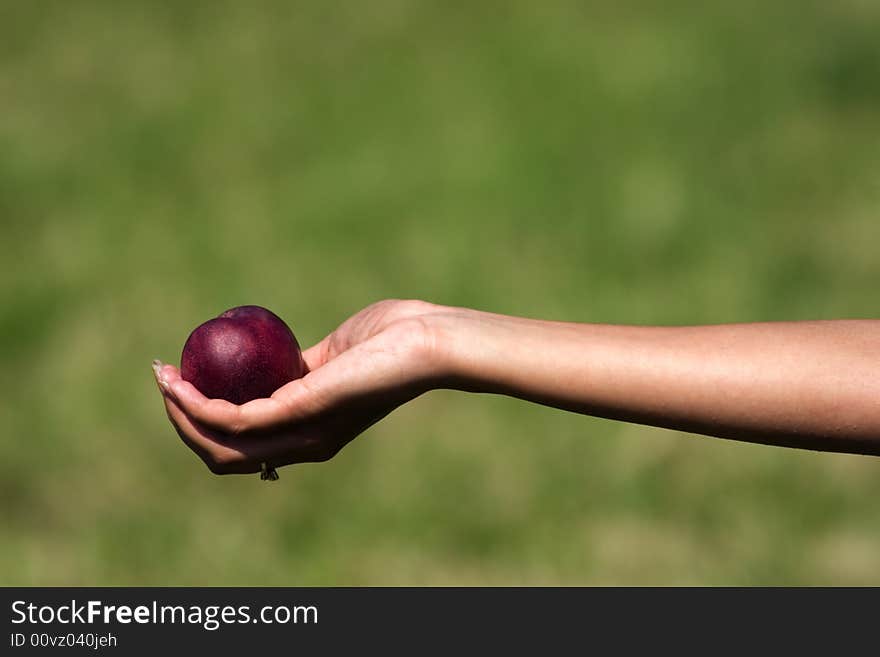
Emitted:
pixel 464 348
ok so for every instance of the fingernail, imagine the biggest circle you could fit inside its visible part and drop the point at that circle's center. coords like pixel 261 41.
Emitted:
pixel 160 379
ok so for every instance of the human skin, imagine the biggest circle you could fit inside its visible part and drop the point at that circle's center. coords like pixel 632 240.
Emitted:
pixel 811 385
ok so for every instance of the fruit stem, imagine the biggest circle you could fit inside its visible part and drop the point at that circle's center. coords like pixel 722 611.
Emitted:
pixel 267 472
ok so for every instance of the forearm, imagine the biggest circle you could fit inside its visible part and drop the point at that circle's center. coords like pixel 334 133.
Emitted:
pixel 813 385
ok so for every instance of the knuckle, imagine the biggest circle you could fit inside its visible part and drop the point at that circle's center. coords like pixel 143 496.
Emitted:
pixel 414 306
pixel 238 424
pixel 396 310
pixel 334 345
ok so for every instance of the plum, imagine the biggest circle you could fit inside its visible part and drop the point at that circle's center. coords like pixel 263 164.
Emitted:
pixel 245 353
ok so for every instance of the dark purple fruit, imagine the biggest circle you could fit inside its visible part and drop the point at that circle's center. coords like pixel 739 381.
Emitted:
pixel 246 353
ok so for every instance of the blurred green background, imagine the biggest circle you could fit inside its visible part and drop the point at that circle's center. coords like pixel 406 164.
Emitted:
pixel 659 163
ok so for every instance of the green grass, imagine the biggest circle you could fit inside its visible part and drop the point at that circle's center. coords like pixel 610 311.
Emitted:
pixel 664 163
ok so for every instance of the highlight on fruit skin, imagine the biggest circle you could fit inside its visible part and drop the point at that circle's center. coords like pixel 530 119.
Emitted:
pixel 245 353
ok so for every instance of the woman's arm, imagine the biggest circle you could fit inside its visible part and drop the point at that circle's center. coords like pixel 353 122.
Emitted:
pixel 812 385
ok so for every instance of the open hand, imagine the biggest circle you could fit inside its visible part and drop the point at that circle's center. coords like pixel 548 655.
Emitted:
pixel 377 360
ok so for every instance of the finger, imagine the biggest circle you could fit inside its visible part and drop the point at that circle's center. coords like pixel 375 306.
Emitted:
pixel 158 367
pixel 194 436
pixel 244 456
pixel 211 450
pixel 194 445
pixel 316 355
pixel 222 454
pixel 259 415
pixel 174 413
